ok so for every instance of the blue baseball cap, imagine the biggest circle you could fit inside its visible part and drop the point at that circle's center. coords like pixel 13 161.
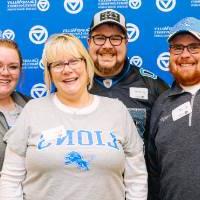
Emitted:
pixel 189 25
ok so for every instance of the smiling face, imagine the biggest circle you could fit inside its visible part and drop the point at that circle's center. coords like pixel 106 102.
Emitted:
pixel 70 82
pixel 69 67
pixel 185 67
pixel 108 59
pixel 9 59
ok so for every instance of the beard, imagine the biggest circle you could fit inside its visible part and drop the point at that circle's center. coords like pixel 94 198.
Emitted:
pixel 107 71
pixel 186 78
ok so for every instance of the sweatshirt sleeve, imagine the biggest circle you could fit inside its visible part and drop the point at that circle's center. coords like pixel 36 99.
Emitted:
pixel 12 175
pixel 13 171
pixel 135 174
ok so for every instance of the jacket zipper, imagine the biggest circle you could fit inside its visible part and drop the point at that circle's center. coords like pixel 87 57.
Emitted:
pixel 190 115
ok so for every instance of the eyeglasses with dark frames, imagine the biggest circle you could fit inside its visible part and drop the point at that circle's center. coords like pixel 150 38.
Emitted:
pixel 178 49
pixel 115 40
pixel 59 66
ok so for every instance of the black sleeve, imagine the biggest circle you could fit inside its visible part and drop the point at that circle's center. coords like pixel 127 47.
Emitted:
pixel 152 162
pixel 161 86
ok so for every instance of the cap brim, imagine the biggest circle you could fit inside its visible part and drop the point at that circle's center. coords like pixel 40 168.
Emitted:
pixel 195 34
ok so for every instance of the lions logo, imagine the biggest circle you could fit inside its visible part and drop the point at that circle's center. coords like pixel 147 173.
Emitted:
pixel 76 159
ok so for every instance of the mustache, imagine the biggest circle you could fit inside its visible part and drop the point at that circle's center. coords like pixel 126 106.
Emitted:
pixel 106 51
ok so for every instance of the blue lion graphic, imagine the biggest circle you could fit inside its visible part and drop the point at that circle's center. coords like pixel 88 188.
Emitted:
pixel 76 159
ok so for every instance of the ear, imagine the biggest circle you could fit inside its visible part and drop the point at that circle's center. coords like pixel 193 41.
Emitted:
pixel 88 41
pixel 126 42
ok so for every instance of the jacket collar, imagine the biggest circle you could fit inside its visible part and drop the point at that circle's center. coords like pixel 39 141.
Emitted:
pixel 117 78
pixel 19 98
pixel 176 89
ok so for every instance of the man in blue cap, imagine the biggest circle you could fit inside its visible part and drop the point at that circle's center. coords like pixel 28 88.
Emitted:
pixel 174 142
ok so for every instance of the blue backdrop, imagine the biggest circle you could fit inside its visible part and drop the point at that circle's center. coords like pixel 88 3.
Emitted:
pixel 30 22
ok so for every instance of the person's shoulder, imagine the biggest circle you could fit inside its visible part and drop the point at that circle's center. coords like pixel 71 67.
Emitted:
pixel 42 101
pixel 149 75
pixel 163 97
pixel 146 73
pixel 151 79
pixel 160 105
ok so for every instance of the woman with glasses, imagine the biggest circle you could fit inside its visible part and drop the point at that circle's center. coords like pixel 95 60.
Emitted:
pixel 11 102
pixel 72 144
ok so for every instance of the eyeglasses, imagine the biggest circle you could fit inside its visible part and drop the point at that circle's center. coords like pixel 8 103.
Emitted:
pixel 178 49
pixel 59 66
pixel 115 40
pixel 12 69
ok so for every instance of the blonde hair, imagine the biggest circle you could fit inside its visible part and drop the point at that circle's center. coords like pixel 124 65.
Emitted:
pixel 65 44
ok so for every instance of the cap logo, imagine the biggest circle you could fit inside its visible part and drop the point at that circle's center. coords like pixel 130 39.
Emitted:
pixel 110 15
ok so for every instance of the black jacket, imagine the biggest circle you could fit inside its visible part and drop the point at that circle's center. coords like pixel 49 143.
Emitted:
pixel 137 88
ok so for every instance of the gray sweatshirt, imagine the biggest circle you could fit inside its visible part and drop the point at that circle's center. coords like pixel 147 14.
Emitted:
pixel 79 154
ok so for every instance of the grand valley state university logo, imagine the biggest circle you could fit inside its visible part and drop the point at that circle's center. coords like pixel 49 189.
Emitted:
pixel 38 90
pixel 73 6
pixel 38 34
pixel 8 34
pixel 132 32
pixel 135 4
pixel 43 5
pixel 165 5
pixel 136 60
pixel 163 61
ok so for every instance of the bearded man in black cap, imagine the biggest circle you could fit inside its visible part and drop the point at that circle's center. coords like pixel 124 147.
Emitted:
pixel 115 77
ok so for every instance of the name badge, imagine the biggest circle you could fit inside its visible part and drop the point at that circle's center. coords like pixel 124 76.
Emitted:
pixel 181 111
pixel 138 93
pixel 53 133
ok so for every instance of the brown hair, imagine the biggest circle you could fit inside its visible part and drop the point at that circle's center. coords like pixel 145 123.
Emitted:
pixel 12 45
